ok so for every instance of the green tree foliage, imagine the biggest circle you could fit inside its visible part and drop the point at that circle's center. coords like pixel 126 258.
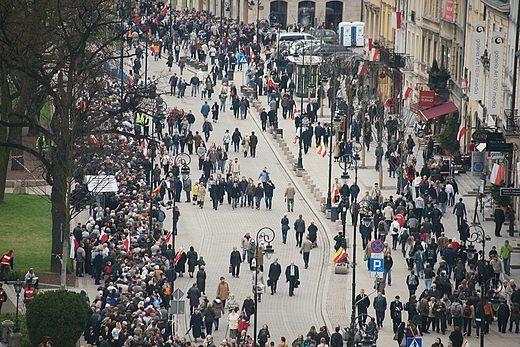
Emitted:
pixel 60 314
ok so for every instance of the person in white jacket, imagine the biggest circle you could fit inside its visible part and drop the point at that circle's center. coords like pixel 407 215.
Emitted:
pixel 233 324
pixel 395 231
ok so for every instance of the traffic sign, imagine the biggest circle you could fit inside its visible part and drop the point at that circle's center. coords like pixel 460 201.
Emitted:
pixel 375 274
pixel 242 60
pixel 377 246
pixel 177 294
pixel 376 265
pixel 414 342
pixel 177 306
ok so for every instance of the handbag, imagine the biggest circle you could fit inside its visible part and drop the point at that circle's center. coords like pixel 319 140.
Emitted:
pixel 297 284
pixel 403 342
pixel 230 268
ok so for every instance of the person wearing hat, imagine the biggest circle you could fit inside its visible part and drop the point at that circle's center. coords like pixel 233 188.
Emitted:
pixel 396 308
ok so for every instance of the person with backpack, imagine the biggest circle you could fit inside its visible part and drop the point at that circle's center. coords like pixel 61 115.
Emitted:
pixel 412 281
pixel 459 273
pixel 457 313
pixel 469 315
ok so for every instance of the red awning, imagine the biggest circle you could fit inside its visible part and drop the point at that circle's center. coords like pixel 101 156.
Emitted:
pixel 442 107
pixel 440 110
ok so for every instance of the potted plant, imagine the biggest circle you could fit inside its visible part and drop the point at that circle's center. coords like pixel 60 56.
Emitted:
pixel 448 137
pixel 438 77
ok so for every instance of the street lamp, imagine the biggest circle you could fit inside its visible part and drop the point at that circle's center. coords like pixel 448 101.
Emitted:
pixel 18 289
pixel 267 235
pixel 354 210
pixel 478 236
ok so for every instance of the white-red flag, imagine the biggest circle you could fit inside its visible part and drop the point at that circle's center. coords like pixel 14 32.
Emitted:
pixel 74 244
pixel 178 256
pixel 497 174
pixel 104 236
pixel 322 150
pixel 127 243
pixel 461 132
pixel 406 92
pixel 168 237
pixel 362 69
pixel 374 54
pixel 396 20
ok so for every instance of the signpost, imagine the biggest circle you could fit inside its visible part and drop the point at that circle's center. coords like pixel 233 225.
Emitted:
pixel 414 342
pixel 495 155
pixel 177 305
pixel 377 259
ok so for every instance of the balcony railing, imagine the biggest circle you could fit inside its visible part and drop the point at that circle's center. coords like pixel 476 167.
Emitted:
pixel 511 122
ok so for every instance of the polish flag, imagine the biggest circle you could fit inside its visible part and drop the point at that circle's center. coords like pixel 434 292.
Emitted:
pixel 406 92
pixel 168 237
pixel 369 43
pixel 335 195
pixel 396 20
pixel 362 69
pixel 497 174
pixel 74 245
pixel 127 243
pixel 272 83
pixel 464 84
pixel 294 113
pixel 374 54
pixel 104 236
pixel 462 131
pixel 144 145
pixel 389 102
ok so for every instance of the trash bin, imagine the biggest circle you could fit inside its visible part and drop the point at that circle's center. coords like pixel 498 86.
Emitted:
pixel 230 74
pixel 334 214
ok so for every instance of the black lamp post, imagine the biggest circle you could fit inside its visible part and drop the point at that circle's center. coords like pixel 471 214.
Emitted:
pixel 18 289
pixel 478 235
pixel 354 210
pixel 267 235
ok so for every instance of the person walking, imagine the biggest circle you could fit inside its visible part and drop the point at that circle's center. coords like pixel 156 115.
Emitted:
pixel 289 194
pixel 396 309
pixel 505 254
pixel 292 276
pixel 299 227
pixel 285 228
pixel 269 188
pixel 306 251
pixel 380 306
pixel 235 259
pixel 362 304
pixel 193 295
pixel 460 211
pixel 223 290
pixel 257 280
pixel 253 142
pixel 275 270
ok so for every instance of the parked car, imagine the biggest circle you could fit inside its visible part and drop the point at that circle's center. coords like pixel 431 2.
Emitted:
pixel 327 35
pixel 328 50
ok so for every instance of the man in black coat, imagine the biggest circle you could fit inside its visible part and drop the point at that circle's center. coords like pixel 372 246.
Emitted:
pixel 292 275
pixel 500 218
pixel 396 309
pixel 201 279
pixel 275 270
pixel 380 307
pixel 362 303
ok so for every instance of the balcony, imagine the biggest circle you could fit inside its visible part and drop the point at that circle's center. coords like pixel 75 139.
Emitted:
pixel 438 81
pixel 511 122
pixel 392 60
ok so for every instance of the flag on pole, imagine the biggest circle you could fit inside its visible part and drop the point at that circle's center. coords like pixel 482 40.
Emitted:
pixel 322 150
pixel 272 83
pixel 335 195
pixel 374 53
pixel 497 174
pixel 156 190
pixel 362 69
pixel 389 102
pixel 406 92
pixel 127 243
pixel 340 255
pixel 368 44
pixel 144 145
pixel 74 245
pixel 168 237
pixel 464 83
pixel 462 131
pixel 396 20
pixel 178 256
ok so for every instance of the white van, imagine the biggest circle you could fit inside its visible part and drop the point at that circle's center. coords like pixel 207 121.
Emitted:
pixel 285 39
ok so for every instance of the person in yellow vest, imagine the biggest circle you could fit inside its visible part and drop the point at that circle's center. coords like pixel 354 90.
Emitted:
pixel 3 297
pixel 29 293
pixel 42 145
pixel 6 263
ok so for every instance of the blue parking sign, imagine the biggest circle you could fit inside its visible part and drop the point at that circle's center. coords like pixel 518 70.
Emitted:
pixel 376 265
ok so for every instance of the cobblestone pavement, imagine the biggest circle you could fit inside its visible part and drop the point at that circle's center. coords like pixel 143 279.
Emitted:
pixel 323 297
